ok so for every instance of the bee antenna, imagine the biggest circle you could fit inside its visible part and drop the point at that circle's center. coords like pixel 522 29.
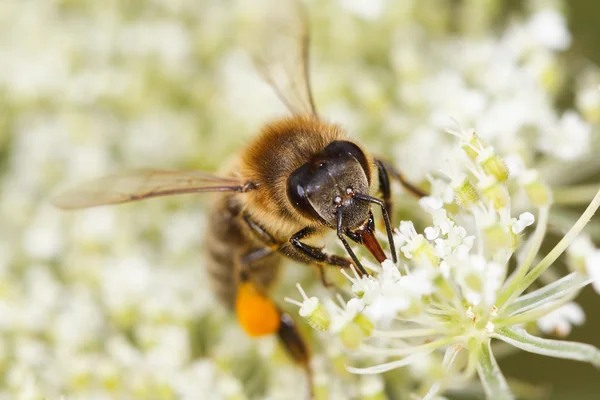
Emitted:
pixel 386 219
pixel 340 234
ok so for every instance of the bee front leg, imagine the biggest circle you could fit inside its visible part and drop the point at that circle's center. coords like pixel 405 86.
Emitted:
pixel 306 253
pixel 385 172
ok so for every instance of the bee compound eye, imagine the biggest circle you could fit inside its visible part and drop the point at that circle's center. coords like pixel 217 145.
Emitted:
pixel 298 191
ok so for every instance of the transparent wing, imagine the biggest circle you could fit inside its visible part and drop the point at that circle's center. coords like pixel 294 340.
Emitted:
pixel 142 184
pixel 281 55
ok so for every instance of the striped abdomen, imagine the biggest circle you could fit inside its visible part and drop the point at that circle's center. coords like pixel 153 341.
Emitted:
pixel 227 240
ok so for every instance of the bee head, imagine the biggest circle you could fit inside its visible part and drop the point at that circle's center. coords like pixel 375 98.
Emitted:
pixel 326 185
pixel 333 188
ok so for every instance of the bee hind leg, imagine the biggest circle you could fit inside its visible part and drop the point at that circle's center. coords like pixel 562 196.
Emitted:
pixel 259 316
pixel 296 347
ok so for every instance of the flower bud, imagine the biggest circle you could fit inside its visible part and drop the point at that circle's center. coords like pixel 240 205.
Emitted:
pixel 539 193
pixel 497 195
pixel 352 335
pixel 364 323
pixel 465 194
pixel 498 236
pixel 317 316
pixel 496 167
pixel 312 311
pixel 469 146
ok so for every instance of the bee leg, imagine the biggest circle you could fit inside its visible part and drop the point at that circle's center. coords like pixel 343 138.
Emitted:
pixel 259 315
pixel 263 252
pixel 306 253
pixel 303 252
pixel 324 280
pixel 385 171
pixel 256 255
pixel 295 346
pixel 384 185
pixel 259 232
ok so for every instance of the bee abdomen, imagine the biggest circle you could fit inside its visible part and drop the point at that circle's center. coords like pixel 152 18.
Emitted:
pixel 227 241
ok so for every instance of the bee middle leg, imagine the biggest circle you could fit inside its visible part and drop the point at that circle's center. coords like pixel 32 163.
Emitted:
pixel 294 249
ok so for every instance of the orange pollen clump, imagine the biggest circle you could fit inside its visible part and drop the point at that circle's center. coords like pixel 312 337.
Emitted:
pixel 257 314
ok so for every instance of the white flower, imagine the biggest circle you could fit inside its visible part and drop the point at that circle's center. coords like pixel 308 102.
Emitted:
pixel 312 310
pixel 560 321
pixel 415 246
pixel 440 189
pixel 370 10
pixel 584 257
pixel 371 386
pixel 479 280
pixel 441 223
pixel 43 240
pixel 582 247
pixel 366 286
pixel 567 139
pixel 592 267
pixel 419 283
pixel 588 100
pixel 457 244
pixel 125 283
pixel 549 28
pixel 409 238
pixel 344 316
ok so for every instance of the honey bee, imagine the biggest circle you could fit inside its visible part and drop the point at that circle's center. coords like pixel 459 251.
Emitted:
pixel 300 177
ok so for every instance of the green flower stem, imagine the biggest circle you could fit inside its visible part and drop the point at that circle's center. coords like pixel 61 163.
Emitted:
pixel 518 337
pixel 534 248
pixel 534 314
pixel 561 246
pixel 494 383
pixel 449 357
pixel 408 333
pixel 381 368
pixel 427 347
pixel 574 195
pixel 564 286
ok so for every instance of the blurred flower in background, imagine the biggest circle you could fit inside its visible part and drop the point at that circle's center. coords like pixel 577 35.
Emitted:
pixel 114 303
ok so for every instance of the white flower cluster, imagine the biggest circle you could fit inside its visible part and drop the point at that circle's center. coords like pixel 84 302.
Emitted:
pixel 451 289
pixel 113 303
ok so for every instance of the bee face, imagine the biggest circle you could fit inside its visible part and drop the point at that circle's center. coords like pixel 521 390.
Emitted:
pixel 326 185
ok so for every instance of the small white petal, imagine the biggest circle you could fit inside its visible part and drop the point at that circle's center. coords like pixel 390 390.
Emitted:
pixel 592 267
pixel 308 307
pixel 523 222
pixel 432 233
